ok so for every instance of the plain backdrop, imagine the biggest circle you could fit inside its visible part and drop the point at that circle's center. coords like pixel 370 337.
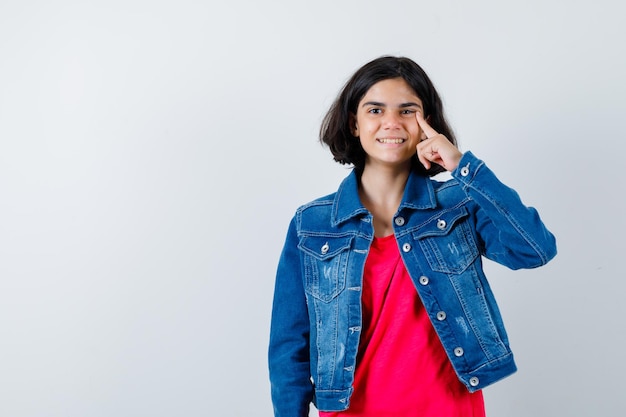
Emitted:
pixel 153 152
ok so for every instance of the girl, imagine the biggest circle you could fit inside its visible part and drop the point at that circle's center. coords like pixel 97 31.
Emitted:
pixel 381 306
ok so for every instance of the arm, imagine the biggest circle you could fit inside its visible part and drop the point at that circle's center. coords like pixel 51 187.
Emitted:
pixel 511 233
pixel 290 374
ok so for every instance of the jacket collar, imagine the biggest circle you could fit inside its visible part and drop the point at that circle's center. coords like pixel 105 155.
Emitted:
pixel 418 194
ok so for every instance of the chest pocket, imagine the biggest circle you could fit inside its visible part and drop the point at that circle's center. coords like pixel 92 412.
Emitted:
pixel 325 265
pixel 447 242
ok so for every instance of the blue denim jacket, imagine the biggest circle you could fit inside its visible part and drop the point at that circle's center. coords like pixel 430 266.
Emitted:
pixel 442 230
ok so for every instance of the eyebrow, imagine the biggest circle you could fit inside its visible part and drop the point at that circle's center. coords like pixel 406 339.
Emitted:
pixel 379 104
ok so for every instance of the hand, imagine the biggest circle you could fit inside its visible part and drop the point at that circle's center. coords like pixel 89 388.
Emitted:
pixel 436 148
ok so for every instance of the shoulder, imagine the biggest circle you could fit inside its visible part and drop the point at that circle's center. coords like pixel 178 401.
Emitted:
pixel 316 214
pixel 445 185
pixel 449 192
pixel 347 188
pixel 326 200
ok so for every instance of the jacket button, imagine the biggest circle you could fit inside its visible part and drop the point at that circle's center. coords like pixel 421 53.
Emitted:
pixel 325 248
pixel 441 224
pixel 441 315
pixel 465 170
pixel 474 381
pixel 458 351
pixel 406 247
pixel 424 280
pixel 399 221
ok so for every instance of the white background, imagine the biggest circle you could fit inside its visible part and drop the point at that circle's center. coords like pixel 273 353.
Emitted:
pixel 153 152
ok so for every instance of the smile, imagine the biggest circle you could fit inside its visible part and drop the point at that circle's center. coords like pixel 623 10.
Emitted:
pixel 390 140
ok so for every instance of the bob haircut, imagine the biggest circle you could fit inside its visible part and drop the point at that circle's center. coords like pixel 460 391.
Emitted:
pixel 336 131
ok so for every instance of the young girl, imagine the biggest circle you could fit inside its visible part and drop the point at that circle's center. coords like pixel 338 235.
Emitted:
pixel 381 306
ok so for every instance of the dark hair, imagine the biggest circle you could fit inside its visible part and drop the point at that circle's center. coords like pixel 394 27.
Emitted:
pixel 336 131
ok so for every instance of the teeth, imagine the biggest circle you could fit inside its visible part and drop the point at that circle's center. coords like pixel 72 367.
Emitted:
pixel 391 140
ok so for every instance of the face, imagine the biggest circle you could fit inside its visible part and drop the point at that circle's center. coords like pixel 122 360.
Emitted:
pixel 385 123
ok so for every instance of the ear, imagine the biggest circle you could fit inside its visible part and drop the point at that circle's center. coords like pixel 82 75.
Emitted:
pixel 354 127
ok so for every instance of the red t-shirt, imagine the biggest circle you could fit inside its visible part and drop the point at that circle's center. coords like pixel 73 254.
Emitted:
pixel 402 369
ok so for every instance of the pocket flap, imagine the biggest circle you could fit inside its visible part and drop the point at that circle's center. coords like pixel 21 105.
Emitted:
pixel 325 247
pixel 442 224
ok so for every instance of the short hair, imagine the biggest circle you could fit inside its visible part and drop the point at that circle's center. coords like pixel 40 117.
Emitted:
pixel 336 130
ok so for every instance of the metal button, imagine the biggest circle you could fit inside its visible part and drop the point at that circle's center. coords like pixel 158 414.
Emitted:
pixel 465 170
pixel 458 351
pixel 441 224
pixel 441 315
pixel 399 221
pixel 474 381
pixel 325 248
pixel 406 247
pixel 424 280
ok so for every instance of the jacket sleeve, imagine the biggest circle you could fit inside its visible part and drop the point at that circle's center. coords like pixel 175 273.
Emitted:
pixel 511 233
pixel 289 369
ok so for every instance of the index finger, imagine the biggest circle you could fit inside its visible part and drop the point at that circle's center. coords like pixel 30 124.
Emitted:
pixel 428 130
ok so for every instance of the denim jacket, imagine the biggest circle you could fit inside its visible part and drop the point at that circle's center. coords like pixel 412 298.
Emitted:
pixel 442 229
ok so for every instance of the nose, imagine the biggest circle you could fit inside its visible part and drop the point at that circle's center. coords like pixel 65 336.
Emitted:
pixel 391 120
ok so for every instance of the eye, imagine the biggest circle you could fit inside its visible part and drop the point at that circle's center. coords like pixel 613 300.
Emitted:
pixel 375 110
pixel 408 111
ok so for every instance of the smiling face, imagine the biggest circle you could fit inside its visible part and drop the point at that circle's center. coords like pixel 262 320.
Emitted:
pixel 385 123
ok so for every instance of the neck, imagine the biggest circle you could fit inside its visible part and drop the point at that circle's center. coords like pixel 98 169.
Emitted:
pixel 381 192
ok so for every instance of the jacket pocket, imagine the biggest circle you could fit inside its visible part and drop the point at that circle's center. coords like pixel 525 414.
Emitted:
pixel 447 241
pixel 325 264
